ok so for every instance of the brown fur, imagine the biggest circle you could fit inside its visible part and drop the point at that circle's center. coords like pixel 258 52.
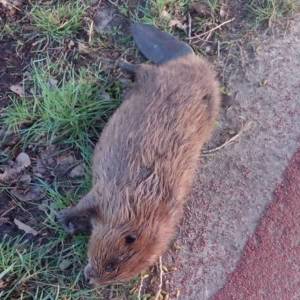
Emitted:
pixel 143 167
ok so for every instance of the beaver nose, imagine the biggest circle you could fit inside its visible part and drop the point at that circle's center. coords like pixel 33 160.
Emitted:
pixel 89 273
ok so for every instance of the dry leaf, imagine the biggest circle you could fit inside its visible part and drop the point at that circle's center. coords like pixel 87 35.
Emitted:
pixel 17 89
pixel 202 9
pixel 3 284
pixel 78 171
pixel 165 14
pixel 224 11
pixel 22 162
pixel 102 20
pixel 177 23
pixel 11 5
pixel 83 48
pixel 71 44
pixel 34 194
pixel 25 228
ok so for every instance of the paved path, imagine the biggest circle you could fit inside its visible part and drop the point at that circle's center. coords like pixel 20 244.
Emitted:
pixel 235 186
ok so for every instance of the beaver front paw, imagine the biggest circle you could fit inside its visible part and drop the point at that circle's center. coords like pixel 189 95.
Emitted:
pixel 73 222
pixel 66 218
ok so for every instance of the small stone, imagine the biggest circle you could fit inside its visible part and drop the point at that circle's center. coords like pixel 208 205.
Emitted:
pixel 208 49
pixel 23 160
pixel 71 44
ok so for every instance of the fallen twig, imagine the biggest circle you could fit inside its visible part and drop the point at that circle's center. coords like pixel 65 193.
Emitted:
pixel 26 228
pixel 140 287
pixel 7 211
pixel 157 295
pixel 91 31
pixel 209 32
pixel 246 127
pixel 189 26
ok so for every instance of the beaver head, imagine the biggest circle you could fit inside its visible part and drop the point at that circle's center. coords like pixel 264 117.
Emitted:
pixel 118 254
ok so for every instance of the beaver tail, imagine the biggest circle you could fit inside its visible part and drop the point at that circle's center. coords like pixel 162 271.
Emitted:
pixel 157 46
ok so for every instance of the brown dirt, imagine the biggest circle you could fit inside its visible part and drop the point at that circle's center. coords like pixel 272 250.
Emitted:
pixel 10 69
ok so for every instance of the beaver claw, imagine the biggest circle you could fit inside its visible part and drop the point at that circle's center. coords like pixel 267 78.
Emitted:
pixel 65 219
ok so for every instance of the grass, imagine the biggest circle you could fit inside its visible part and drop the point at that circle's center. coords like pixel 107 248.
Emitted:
pixel 267 12
pixel 62 199
pixel 161 12
pixel 209 19
pixel 8 30
pixel 63 20
pixel 48 268
pixel 49 271
pixel 71 110
pixel 67 108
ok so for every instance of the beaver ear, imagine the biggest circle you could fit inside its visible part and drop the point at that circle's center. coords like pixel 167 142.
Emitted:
pixel 130 239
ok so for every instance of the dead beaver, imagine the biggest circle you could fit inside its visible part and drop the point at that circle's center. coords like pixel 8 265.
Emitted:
pixel 146 157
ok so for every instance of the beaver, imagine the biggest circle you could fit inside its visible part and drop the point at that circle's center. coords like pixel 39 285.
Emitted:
pixel 145 159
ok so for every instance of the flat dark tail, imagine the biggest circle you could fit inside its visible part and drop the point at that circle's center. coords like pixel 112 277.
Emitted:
pixel 157 46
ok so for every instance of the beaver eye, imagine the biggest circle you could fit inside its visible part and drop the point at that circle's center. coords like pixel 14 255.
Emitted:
pixel 129 239
pixel 111 266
